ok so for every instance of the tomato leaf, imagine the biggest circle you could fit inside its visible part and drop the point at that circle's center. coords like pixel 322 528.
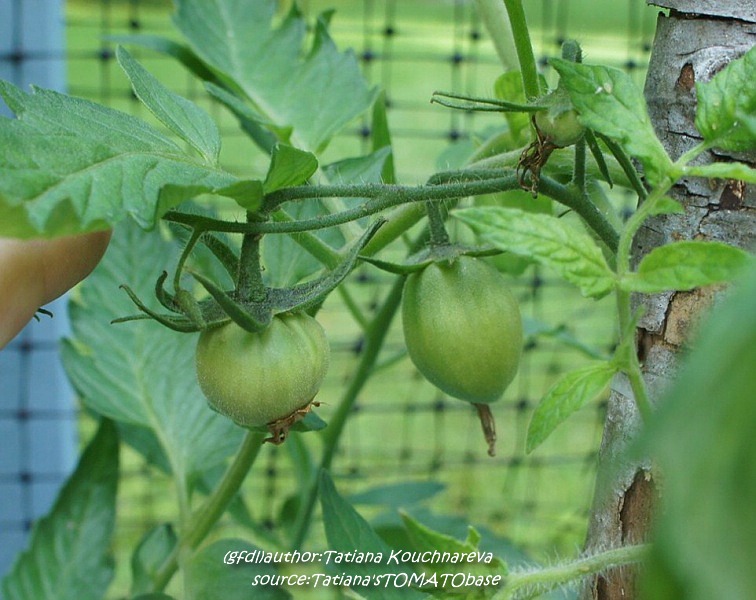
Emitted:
pixel 609 102
pixel 288 167
pixel 149 555
pixel 140 372
pixel 68 557
pixel 548 240
pixel 182 117
pixel 684 266
pixel 425 539
pixel 315 93
pixel 347 531
pixel 726 107
pixel 209 576
pixel 724 170
pixel 70 166
pixel 566 396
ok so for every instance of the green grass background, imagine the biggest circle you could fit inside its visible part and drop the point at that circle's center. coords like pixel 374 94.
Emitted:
pixel 400 433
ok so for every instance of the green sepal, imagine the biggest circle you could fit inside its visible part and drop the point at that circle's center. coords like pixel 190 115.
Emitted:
pixel 190 307
pixel 598 156
pixel 310 422
pixel 180 324
pixel 462 102
pixel 252 317
pixel 437 253
pixel 308 295
pixel 166 299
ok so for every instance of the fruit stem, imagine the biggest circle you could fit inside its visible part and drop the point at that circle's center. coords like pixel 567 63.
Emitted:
pixel 488 424
pixel 213 508
pixel 438 234
pixel 249 281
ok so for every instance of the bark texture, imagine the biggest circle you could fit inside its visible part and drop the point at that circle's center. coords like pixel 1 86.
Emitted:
pixel 692 44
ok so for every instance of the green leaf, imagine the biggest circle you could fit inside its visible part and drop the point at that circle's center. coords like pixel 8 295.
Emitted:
pixel 684 266
pixel 399 494
pixel 247 193
pixel 424 539
pixel 207 574
pixel 182 117
pixel 70 166
pixel 569 394
pixel 153 596
pixel 508 86
pixel 288 167
pixel 362 169
pixel 724 170
pixel 68 557
pixel 264 133
pixel 149 555
pixel 701 437
pixel 140 372
pixel 548 240
pixel 381 137
pixel 316 92
pixel 347 531
pixel 609 102
pixel 726 107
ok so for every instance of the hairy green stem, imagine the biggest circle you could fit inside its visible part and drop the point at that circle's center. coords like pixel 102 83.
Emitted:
pixel 624 308
pixel 537 582
pixel 249 281
pixel 578 172
pixel 381 197
pixel 374 337
pixel 213 508
pixel 524 49
pixel 438 234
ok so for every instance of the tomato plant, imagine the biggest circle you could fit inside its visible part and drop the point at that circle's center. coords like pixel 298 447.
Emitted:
pixel 249 285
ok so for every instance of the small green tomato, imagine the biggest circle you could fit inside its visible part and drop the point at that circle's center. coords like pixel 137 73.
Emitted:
pixel 561 128
pixel 463 329
pixel 258 379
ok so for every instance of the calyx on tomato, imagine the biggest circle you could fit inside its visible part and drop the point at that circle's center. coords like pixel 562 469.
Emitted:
pixel 266 379
pixel 463 329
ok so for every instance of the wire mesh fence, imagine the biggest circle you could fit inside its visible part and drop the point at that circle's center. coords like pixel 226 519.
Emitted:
pixel 403 429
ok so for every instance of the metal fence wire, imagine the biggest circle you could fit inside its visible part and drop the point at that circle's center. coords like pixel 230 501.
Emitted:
pixel 402 429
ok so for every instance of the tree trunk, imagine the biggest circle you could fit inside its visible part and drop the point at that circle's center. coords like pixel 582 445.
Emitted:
pixel 696 40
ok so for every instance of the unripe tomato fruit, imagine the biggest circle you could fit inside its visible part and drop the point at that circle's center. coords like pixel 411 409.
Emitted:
pixel 259 378
pixel 462 328
pixel 561 129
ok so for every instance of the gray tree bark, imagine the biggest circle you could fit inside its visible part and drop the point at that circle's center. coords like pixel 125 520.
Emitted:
pixel 693 43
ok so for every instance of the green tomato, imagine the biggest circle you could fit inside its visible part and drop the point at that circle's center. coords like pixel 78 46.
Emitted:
pixel 560 128
pixel 462 328
pixel 260 378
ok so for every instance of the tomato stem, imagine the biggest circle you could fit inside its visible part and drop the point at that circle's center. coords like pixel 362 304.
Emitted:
pixel 214 507
pixel 445 186
pixel 524 49
pixel 550 578
pixel 249 281
pixel 438 234
pixel 488 425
